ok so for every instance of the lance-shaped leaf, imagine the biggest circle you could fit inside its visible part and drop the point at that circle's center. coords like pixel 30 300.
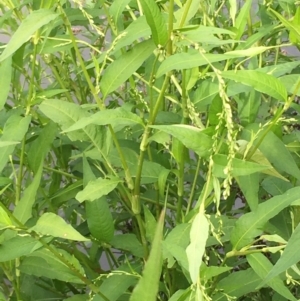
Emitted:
pixel 190 136
pixel 196 248
pixel 18 246
pixel 261 82
pixel 261 265
pixel 116 117
pixel 5 78
pixel 289 257
pixel 123 67
pixel 23 209
pixel 187 60
pixel 156 22
pixel 96 189
pixel 250 225
pixel 148 285
pixel 54 225
pixel 28 27
pixel 43 263
pixel 14 130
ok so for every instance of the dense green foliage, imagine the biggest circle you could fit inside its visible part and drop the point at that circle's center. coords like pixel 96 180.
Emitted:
pixel 149 150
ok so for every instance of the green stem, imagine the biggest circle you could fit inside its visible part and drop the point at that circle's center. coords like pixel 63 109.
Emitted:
pixel 193 187
pixel 169 206
pixel 170 27
pixel 20 175
pixel 60 81
pixel 68 175
pixel 181 152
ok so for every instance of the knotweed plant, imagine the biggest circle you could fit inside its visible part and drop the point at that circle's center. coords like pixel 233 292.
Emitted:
pixel 149 150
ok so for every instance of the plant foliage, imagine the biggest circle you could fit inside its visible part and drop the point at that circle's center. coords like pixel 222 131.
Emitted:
pixel 149 150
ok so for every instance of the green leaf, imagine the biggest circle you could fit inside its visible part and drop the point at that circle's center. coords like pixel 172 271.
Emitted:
pixel 261 265
pixel 291 83
pixel 209 272
pixel 5 221
pixel 128 242
pixel 8 143
pixel 156 22
pixel 115 117
pixel 273 148
pixel 241 19
pixel 99 219
pixel 237 284
pixel 190 136
pixel 249 185
pixel 27 28
pixel 261 82
pixel 239 167
pixel 295 29
pixel 136 30
pixel 175 245
pixel 288 258
pixel 65 114
pixel 117 283
pixel 122 68
pixel 248 106
pixel 172 251
pixel 18 246
pixel 14 130
pixel 275 186
pixel 187 60
pixel 23 209
pixel 41 145
pixel 116 10
pixel 196 248
pixel 148 285
pixel 96 189
pixel 182 17
pixel 5 78
pixel 43 263
pixel 150 224
pixel 54 225
pixel 250 224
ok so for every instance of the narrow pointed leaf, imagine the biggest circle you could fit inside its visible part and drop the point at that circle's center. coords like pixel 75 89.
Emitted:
pixel 183 18
pixel 237 284
pixel 261 82
pixel 24 208
pixel 28 27
pixel 41 145
pixel 99 219
pixel 187 60
pixel 115 117
pixel 239 167
pixel 122 68
pixel 4 219
pixel 261 265
pixel 289 257
pixel 54 225
pixel 14 130
pixel 52 266
pixel 5 78
pixel 18 246
pixel 148 285
pixel 250 225
pixel 196 248
pixel 156 22
pixel 96 189
pixel 190 136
